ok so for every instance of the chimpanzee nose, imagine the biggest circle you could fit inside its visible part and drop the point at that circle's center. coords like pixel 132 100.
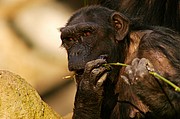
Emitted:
pixel 76 53
pixel 77 50
pixel 77 57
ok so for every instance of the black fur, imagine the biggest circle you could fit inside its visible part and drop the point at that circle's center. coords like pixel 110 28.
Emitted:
pixel 150 12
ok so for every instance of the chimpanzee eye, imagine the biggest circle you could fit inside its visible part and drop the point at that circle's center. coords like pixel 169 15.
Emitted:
pixel 68 39
pixel 67 42
pixel 87 33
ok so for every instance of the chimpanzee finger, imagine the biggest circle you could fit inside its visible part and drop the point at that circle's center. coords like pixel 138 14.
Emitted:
pixel 129 72
pixel 93 64
pixel 149 66
pixel 96 74
pixel 125 79
pixel 143 69
pixel 135 63
pixel 143 62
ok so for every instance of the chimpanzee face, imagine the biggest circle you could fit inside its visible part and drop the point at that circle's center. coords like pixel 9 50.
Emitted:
pixel 88 36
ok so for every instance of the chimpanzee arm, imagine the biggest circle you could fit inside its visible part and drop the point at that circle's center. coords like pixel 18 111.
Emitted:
pixel 89 91
pixel 162 100
pixel 161 48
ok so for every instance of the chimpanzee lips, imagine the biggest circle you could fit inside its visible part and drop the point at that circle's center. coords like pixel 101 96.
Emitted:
pixel 81 71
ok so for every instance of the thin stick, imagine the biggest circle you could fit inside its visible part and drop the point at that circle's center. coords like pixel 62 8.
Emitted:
pixel 118 64
pixel 165 80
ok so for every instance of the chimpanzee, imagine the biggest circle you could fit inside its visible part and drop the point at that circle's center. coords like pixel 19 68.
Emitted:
pixel 95 36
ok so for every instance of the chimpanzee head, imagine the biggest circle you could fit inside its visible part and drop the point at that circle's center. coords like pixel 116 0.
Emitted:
pixel 94 32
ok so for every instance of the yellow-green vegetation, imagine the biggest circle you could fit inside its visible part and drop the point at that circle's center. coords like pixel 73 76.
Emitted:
pixel 165 80
pixel 18 100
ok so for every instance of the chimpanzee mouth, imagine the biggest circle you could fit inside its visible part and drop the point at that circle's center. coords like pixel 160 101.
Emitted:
pixel 79 72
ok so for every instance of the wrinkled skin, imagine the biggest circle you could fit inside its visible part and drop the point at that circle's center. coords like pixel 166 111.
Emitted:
pixel 138 71
pixel 90 87
pixel 95 36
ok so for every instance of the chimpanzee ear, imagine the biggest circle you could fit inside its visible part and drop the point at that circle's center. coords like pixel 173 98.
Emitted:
pixel 121 25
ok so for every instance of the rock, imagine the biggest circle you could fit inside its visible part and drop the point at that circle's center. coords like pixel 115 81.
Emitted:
pixel 19 100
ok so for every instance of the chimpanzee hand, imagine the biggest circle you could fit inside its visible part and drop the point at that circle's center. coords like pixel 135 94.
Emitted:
pixel 93 77
pixel 138 77
pixel 138 71
pixel 89 90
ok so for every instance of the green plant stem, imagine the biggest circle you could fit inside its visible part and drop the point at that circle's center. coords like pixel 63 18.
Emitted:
pixel 150 72
pixel 117 64
pixel 165 80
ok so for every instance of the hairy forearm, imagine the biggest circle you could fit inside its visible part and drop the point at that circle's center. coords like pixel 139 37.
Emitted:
pixel 87 112
pixel 87 106
pixel 162 99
